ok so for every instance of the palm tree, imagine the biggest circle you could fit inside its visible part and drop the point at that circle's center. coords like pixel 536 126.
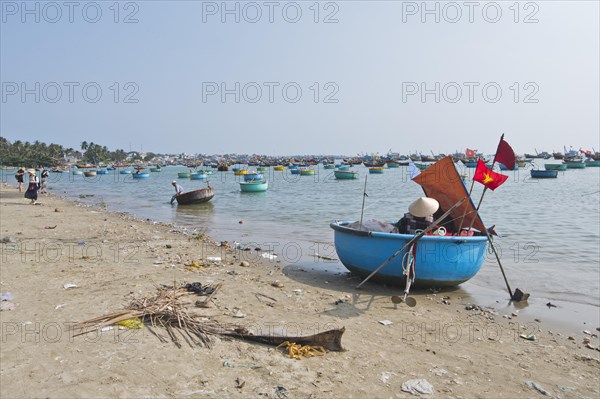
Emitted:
pixel 84 145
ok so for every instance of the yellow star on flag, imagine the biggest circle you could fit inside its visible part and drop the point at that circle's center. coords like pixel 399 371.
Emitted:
pixel 487 178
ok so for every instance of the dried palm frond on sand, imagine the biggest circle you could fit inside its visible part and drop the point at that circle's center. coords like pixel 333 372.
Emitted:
pixel 165 310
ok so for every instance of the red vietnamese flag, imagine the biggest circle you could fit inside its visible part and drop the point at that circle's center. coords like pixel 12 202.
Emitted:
pixel 470 153
pixel 487 177
pixel 505 154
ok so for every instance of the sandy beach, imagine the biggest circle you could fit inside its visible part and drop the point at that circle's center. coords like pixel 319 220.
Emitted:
pixel 462 350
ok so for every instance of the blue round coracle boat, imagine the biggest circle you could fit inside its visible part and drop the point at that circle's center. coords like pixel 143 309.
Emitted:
pixel 440 261
pixel 140 175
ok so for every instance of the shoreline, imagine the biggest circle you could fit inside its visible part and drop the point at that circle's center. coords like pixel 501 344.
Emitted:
pixel 462 353
pixel 568 317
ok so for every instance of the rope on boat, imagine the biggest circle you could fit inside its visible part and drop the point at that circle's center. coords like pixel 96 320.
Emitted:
pixel 408 267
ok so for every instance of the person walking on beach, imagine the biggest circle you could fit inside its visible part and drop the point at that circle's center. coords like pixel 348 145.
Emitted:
pixel 19 177
pixel 44 178
pixel 178 190
pixel 34 185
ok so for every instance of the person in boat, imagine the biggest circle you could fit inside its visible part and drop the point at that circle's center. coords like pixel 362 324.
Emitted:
pixel 34 185
pixel 419 216
pixel 178 190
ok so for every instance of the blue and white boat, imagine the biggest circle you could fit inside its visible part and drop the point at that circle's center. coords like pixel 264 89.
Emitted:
pixel 254 186
pixel 442 259
pixel 544 174
pixel 253 176
pixel 140 175
pixel 439 262
pixel 198 176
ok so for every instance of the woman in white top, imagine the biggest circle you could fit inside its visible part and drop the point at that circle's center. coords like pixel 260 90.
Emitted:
pixel 34 185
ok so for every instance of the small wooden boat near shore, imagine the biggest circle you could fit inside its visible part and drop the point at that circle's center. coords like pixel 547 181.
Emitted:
pixel 196 196
pixel 90 173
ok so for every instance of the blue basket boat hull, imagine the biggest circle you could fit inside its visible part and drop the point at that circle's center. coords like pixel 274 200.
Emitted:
pixel 440 261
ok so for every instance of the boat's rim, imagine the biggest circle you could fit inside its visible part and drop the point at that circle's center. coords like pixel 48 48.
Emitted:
pixel 341 227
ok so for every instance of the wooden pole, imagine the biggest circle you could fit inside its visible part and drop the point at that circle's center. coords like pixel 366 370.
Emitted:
pixel 362 210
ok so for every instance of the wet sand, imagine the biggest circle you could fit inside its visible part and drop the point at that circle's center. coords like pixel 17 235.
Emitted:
pixel 112 258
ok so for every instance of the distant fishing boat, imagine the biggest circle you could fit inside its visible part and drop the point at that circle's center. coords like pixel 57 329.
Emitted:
pixel 278 168
pixel 392 164
pixel 503 167
pixel 239 172
pixel 592 163
pixel 342 166
pixel 102 171
pixel 155 169
pixel 254 186
pixel 307 172
pixel 422 166
pixel 471 164
pixel 376 169
pixel 140 175
pixel 294 171
pixel 196 196
pixel 262 168
pixel 77 172
pixel 183 175
pixel 222 168
pixel 544 174
pixel 125 171
pixel 329 166
pixel 252 176
pixel 90 173
pixel 575 163
pixel 555 166
pixel 345 174
pixel 198 176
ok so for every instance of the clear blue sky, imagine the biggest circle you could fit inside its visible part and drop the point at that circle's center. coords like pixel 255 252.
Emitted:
pixel 375 61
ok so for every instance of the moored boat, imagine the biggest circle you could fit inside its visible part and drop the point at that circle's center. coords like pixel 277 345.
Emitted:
pixel 307 172
pixel 592 163
pixel 329 166
pixel 503 167
pixel 393 164
pixel 544 174
pixel 254 186
pixel 440 261
pixel 198 176
pixel 155 169
pixel 196 196
pixel 183 175
pixel 345 174
pixel 555 166
pixel 252 176
pixel 125 171
pixel 90 173
pixel 140 175
pixel 376 169
pixel 239 172
pixel 278 168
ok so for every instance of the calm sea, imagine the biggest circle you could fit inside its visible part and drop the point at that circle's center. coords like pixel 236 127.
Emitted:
pixel 549 229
